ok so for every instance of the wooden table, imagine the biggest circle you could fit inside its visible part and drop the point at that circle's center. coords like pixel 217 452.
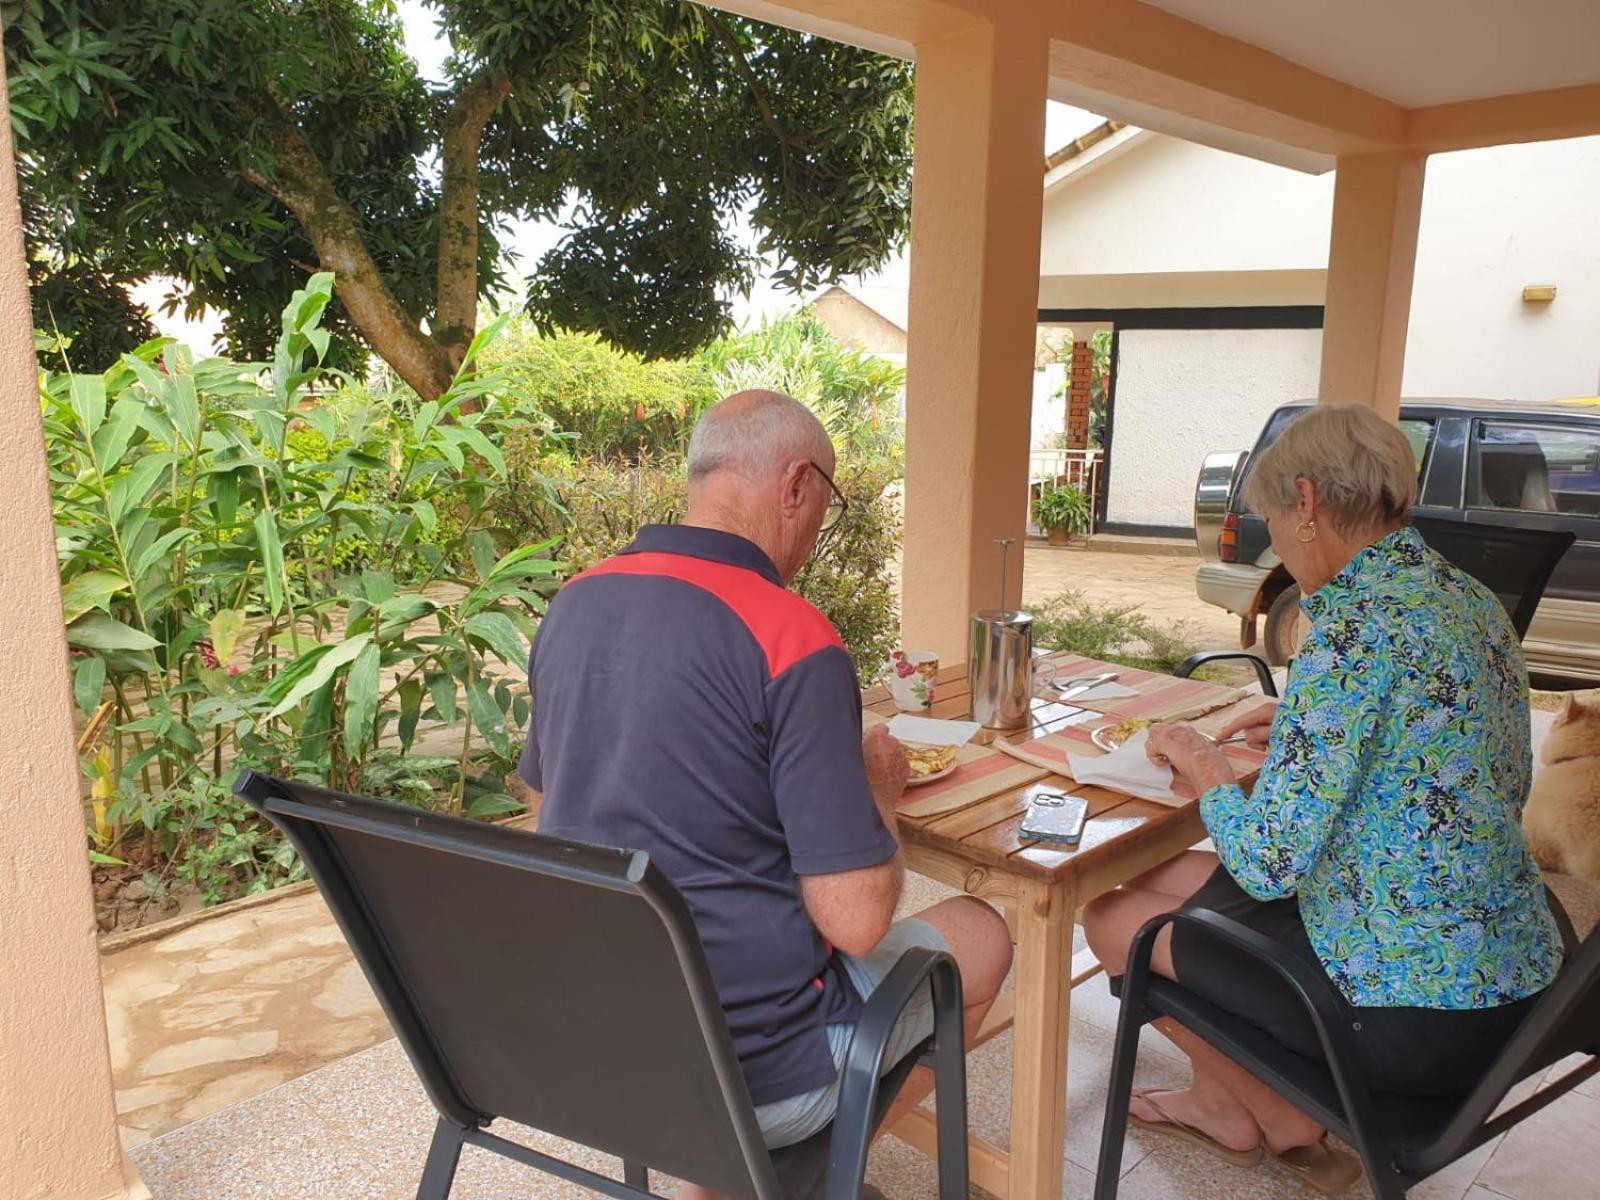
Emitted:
pixel 1039 887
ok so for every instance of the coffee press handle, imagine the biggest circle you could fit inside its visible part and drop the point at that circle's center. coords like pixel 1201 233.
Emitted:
pixel 1005 545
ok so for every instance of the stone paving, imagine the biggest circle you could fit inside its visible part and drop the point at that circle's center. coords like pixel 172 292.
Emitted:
pixel 1161 585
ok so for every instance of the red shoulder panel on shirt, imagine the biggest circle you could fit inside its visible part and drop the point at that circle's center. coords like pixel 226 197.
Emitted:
pixel 785 626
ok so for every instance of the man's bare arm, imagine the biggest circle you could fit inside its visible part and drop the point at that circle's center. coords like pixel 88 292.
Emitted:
pixel 854 909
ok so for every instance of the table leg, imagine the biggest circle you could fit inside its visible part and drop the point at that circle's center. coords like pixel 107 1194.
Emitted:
pixel 1039 1039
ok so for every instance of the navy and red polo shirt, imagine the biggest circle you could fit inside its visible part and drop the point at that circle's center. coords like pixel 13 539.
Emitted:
pixel 688 705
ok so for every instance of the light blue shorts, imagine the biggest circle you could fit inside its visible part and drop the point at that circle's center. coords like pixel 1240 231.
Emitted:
pixel 785 1122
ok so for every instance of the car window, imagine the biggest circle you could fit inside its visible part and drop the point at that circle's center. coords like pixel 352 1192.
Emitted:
pixel 1527 468
pixel 1420 435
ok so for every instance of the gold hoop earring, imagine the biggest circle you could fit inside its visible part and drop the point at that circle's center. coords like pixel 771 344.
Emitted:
pixel 1306 531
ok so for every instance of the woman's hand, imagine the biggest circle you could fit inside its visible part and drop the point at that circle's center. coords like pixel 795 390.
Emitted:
pixel 1190 754
pixel 1256 725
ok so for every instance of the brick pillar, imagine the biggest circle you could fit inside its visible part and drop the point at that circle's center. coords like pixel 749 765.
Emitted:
pixel 1078 397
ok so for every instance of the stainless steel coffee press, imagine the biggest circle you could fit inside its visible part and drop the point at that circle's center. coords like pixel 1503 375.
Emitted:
pixel 1000 660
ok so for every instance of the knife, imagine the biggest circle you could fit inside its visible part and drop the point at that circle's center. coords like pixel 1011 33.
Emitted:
pixel 1072 687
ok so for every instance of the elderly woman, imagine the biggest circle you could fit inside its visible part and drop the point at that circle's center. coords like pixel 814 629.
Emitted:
pixel 1382 841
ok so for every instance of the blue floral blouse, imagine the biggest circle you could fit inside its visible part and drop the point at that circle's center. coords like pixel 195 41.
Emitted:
pixel 1392 794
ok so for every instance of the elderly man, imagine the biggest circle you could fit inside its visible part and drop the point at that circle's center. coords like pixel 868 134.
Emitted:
pixel 687 704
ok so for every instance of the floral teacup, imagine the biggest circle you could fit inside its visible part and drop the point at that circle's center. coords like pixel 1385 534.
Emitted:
pixel 911 677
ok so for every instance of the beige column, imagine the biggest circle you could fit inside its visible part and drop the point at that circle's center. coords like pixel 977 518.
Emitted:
pixel 977 194
pixel 58 1133
pixel 1377 208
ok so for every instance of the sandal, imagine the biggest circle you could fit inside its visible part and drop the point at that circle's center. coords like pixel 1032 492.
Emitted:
pixel 1170 1126
pixel 1323 1165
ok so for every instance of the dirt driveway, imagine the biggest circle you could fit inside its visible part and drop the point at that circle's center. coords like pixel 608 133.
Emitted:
pixel 1161 585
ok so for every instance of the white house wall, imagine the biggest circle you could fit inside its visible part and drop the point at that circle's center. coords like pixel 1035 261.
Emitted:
pixel 1167 206
pixel 1494 221
pixel 1183 393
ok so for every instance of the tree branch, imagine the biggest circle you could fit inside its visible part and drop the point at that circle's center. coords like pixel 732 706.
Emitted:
pixel 301 184
pixel 457 314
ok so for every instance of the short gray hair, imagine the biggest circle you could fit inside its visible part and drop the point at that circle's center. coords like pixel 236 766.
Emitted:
pixel 756 434
pixel 1362 466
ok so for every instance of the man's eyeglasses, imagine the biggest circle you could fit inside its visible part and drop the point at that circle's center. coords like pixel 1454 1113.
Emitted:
pixel 837 507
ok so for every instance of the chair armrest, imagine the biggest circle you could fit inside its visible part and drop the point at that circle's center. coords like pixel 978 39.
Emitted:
pixel 1264 673
pixel 863 1068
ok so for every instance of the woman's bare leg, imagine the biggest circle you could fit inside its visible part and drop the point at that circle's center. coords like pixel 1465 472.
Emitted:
pixel 1224 1100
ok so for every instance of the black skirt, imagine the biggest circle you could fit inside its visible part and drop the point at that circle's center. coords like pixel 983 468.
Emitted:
pixel 1412 1051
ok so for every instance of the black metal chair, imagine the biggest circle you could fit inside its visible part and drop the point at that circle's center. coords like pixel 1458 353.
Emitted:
pixel 1401 1139
pixel 564 987
pixel 1514 564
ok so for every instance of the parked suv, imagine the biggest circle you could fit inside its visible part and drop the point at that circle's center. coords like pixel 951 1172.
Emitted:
pixel 1489 462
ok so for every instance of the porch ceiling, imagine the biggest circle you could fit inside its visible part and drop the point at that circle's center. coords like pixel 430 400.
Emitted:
pixel 1295 82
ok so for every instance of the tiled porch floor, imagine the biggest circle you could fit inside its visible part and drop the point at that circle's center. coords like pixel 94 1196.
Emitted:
pixel 358 1129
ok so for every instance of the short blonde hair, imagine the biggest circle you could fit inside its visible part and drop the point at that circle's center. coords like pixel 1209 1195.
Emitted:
pixel 1361 465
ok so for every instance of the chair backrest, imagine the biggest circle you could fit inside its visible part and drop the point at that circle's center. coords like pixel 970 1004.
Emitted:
pixel 1565 1021
pixel 1515 564
pixel 559 985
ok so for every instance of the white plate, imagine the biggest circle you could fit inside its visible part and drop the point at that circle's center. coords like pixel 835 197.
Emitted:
pixel 919 780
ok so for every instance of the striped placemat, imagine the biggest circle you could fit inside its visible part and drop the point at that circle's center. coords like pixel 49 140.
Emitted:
pixel 1160 697
pixel 1050 752
pixel 980 772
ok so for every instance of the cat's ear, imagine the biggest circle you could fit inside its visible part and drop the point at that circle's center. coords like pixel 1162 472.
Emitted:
pixel 1571 709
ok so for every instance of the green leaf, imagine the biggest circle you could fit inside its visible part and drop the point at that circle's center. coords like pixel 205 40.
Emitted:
pixel 225 628
pixel 442 691
pixel 88 591
pixel 493 804
pixel 100 631
pixel 270 550
pixel 106 860
pixel 481 546
pixel 88 683
pixel 486 715
pixel 465 435
pixel 519 558
pixel 154 553
pixel 183 406
pixel 497 631
pixel 410 711
pixel 327 663
pixel 426 514
pixel 129 491
pixel 112 438
pixel 225 496
pixel 322 421
pixel 88 394
pixel 361 700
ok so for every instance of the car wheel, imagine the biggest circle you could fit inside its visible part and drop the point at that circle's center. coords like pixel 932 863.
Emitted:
pixel 1285 627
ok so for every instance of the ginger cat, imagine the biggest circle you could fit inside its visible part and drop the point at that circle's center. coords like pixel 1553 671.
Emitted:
pixel 1562 818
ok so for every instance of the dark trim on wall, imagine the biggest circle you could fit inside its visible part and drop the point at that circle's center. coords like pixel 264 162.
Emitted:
pixel 1102 502
pixel 1246 316
pixel 1128 529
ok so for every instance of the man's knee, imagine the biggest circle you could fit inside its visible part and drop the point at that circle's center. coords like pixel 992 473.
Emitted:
pixel 979 942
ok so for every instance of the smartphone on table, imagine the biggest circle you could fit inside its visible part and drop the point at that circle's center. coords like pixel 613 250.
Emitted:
pixel 1054 816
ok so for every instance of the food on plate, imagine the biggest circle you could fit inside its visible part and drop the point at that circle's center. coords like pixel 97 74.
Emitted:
pixel 1114 737
pixel 1126 729
pixel 929 760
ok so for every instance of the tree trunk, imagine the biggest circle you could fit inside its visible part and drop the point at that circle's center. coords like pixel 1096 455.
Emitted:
pixel 300 182
pixel 457 316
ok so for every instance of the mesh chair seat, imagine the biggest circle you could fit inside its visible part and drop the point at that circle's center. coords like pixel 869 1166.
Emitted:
pixel 1401 1139
pixel 564 987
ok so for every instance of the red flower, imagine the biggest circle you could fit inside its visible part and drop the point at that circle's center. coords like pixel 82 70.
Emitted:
pixel 208 655
pixel 904 669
